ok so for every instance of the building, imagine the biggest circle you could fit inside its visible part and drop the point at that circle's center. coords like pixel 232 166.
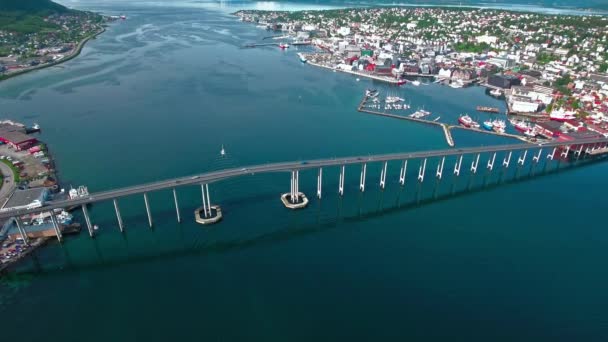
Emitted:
pixel 16 137
pixel 503 81
pixel 522 104
pixel 549 129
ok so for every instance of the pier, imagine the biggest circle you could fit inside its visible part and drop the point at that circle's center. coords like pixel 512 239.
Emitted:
pixel 447 129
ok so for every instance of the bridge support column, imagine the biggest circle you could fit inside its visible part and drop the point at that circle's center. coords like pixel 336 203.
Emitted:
pixel 383 175
pixel 56 226
pixel 475 163
pixel 440 168
pixel 402 172
pixel 362 177
pixel 564 154
pixel 211 213
pixel 421 171
pixel 522 159
pixel 457 166
pixel 179 219
pixel 491 162
pixel 21 231
pixel 507 160
pixel 295 199
pixel 319 182
pixel 341 183
pixel 148 209
pixel 578 152
pixel 536 158
pixel 87 220
pixel 552 155
pixel 118 216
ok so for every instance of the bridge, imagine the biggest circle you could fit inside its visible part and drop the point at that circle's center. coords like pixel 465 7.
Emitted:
pixel 209 213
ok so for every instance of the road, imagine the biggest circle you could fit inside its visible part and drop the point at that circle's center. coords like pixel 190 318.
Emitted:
pixel 8 183
pixel 215 176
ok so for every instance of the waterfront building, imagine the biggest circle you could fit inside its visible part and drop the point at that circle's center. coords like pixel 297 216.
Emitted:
pixel 16 137
pixel 503 81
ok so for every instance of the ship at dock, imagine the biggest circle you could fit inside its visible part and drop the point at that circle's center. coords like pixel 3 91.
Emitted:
pixel 466 121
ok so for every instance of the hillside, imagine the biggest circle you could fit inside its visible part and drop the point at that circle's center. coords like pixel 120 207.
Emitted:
pixel 26 16
pixel 31 6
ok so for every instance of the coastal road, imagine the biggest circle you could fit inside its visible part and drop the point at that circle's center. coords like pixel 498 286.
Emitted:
pixel 215 176
pixel 8 183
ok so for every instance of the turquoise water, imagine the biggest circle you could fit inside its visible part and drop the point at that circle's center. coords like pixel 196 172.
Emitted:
pixel 157 95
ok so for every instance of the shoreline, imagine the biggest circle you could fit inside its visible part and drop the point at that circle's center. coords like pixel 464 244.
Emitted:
pixel 75 54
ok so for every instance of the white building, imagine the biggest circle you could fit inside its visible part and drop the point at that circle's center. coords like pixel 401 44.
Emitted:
pixel 486 39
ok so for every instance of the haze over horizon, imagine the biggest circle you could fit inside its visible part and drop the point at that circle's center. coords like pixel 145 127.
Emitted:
pixel 578 4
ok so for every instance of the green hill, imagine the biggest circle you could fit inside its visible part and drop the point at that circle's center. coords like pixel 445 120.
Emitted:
pixel 31 6
pixel 27 16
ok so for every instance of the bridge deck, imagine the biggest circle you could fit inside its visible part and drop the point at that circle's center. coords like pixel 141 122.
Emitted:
pixel 282 167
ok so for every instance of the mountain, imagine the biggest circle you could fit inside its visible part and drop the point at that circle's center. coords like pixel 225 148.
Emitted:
pixel 31 6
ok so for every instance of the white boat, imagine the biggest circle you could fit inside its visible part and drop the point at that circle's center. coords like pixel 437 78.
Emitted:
pixel 457 84
pixel 223 151
pixel 415 83
pixel 496 92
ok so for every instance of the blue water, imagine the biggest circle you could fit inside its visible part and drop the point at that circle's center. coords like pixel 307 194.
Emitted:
pixel 494 256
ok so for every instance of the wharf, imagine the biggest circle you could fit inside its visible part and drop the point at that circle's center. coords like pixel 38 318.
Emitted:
pixel 447 129
pixel 361 74
pixel 253 45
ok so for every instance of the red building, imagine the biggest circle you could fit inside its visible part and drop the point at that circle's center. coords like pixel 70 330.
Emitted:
pixel 15 137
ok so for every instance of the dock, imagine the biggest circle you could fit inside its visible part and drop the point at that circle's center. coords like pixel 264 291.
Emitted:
pixel 253 45
pixel 447 129
pixel 386 79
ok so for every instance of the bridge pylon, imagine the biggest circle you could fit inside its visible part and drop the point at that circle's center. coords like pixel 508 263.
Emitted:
pixel 362 177
pixel 208 213
pixel 294 199
pixel 457 166
pixel 402 172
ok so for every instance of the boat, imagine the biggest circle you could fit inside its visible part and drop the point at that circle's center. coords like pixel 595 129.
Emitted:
pixel 371 92
pixel 393 99
pixel 437 119
pixel 421 113
pixel 302 58
pixel 466 121
pixel 36 126
pixel 488 125
pixel 531 133
pixel 358 79
pixel 223 151
pixel 401 82
pixel 496 92
pixel 95 227
pixel 522 126
pixel 457 84
pixel 64 218
pixel 415 83
pixel 283 46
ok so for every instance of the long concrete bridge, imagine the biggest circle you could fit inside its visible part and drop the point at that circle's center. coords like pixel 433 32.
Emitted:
pixel 208 213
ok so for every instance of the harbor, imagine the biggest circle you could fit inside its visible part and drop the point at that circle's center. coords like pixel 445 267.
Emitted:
pixel 371 104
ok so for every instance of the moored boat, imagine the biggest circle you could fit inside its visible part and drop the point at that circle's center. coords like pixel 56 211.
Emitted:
pixel 465 120
pixel 488 125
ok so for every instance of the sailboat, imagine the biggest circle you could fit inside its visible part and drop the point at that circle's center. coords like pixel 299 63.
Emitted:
pixel 222 151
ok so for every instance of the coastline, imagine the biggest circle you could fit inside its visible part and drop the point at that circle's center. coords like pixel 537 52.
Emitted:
pixel 75 54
